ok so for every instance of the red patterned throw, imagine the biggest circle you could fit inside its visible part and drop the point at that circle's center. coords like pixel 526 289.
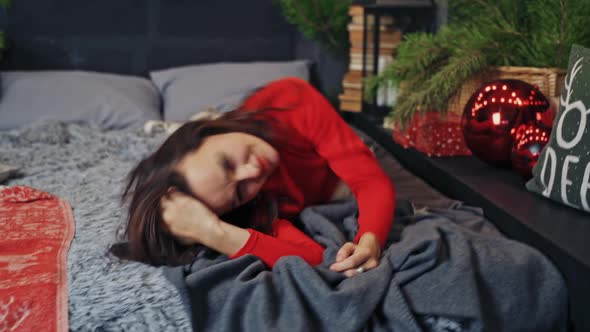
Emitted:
pixel 36 229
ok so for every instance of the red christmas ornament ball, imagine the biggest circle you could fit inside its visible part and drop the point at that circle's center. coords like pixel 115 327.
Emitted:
pixel 528 142
pixel 492 113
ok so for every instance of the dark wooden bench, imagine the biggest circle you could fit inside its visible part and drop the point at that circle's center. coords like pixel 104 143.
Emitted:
pixel 561 233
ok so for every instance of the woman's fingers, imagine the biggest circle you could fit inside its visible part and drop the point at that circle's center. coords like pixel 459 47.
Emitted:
pixel 368 252
pixel 346 250
pixel 168 206
pixel 368 265
pixel 185 217
pixel 171 198
pixel 371 264
pixel 355 260
pixel 166 199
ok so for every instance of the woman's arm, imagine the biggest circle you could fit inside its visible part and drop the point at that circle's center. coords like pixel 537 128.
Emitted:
pixel 287 241
pixel 235 242
pixel 312 116
pixel 349 158
pixel 192 222
pixel 352 161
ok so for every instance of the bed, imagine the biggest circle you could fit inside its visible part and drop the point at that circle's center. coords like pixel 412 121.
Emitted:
pixel 74 135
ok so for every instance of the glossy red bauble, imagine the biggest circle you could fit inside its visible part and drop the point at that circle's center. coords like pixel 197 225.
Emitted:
pixel 492 114
pixel 528 142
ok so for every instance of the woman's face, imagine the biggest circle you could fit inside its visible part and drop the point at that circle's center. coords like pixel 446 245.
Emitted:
pixel 228 170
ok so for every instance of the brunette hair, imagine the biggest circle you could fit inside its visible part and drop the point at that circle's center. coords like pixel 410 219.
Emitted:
pixel 148 182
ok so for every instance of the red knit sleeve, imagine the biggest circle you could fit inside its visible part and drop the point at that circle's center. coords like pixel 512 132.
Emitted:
pixel 287 241
pixel 351 160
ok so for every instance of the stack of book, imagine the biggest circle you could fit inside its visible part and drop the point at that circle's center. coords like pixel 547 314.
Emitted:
pixel 389 38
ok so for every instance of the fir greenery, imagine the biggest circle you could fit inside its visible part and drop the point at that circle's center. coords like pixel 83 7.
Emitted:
pixel 430 68
pixel 321 20
pixel 3 4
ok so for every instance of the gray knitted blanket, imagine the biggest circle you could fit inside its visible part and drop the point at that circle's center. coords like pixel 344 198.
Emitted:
pixel 449 272
pixel 444 270
pixel 87 167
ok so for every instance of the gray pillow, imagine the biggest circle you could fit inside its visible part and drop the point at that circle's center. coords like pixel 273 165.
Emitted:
pixel 189 90
pixel 563 170
pixel 107 101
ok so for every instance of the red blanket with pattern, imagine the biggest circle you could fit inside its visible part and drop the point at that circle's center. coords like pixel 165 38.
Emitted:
pixel 36 229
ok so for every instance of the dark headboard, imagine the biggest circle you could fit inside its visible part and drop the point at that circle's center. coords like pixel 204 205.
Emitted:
pixel 134 36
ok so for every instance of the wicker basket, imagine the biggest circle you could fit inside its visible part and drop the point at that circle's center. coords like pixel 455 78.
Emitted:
pixel 549 80
pixel 441 135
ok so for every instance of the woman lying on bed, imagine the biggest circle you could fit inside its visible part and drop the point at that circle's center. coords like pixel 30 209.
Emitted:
pixel 233 183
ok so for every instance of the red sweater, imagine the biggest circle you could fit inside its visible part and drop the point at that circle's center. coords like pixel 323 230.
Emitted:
pixel 322 150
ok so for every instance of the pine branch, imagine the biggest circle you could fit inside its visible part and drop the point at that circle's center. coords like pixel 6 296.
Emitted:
pixel 418 55
pixel 439 89
pixel 481 34
pixel 321 20
pixel 2 43
pixel 3 4
pixel 562 23
pixel 319 28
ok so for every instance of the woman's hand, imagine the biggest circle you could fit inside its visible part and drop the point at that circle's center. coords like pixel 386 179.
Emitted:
pixel 352 256
pixel 189 220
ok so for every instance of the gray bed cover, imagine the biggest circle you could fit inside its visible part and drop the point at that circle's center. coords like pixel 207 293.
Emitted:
pixel 449 271
pixel 440 263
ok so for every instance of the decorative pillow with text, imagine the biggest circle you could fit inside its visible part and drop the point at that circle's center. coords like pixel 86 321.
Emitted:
pixel 563 170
